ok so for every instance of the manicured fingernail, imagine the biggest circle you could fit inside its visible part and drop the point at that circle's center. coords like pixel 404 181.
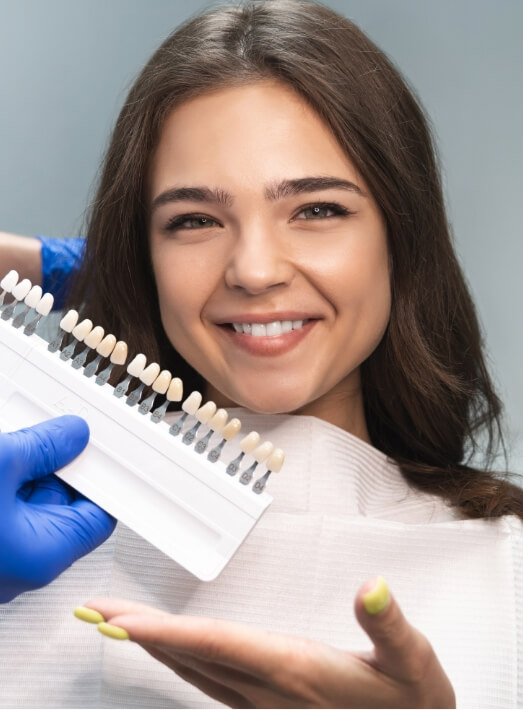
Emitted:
pixel 377 599
pixel 114 632
pixel 90 615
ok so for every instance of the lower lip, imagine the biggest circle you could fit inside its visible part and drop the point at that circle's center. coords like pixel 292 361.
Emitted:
pixel 269 345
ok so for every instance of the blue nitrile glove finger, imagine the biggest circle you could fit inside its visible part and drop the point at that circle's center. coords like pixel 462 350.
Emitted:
pixel 40 539
pixel 49 489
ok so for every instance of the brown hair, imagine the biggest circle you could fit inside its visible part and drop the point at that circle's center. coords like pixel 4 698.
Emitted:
pixel 428 396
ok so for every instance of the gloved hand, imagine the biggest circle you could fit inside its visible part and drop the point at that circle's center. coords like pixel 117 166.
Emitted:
pixel 45 525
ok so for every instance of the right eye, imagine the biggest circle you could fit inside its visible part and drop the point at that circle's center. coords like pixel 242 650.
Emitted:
pixel 189 221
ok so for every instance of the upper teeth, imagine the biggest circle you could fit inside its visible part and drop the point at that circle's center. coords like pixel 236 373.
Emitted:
pixel 277 327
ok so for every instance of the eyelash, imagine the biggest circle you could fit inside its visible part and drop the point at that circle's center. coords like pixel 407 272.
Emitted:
pixel 176 222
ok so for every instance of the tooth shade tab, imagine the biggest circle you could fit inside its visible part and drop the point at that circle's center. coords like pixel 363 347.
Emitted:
pixel 150 373
pixel 106 347
pixel 205 412
pixel 218 421
pixel 175 391
pixel 262 451
pixel 162 382
pixel 69 321
pixel 137 365
pixel 192 403
pixel 83 328
pixel 231 429
pixel 95 337
pixel 120 352
pixel 9 281
pixel 250 442
pixel 21 289
pixel 45 304
pixel 33 297
pixel 275 460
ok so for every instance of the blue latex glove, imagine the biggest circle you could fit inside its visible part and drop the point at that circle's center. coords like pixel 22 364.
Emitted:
pixel 45 525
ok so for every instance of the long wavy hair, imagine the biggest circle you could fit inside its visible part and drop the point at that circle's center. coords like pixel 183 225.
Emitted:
pixel 430 404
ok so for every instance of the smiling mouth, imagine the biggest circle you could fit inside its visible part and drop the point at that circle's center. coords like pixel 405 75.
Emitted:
pixel 272 329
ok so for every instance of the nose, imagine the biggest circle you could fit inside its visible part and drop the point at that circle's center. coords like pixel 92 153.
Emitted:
pixel 259 261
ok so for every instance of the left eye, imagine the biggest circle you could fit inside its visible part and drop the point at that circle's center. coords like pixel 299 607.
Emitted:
pixel 323 210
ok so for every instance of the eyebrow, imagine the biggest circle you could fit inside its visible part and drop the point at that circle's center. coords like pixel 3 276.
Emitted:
pixel 274 192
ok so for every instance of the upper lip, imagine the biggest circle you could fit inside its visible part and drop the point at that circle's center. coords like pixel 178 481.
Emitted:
pixel 266 317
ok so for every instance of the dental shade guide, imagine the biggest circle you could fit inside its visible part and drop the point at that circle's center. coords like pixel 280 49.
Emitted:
pixel 133 466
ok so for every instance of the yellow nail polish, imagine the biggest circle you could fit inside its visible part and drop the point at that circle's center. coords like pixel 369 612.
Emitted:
pixel 377 599
pixel 114 632
pixel 90 615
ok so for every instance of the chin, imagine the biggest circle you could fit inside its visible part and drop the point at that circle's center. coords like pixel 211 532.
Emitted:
pixel 267 403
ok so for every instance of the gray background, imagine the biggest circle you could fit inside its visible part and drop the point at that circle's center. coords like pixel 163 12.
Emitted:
pixel 65 67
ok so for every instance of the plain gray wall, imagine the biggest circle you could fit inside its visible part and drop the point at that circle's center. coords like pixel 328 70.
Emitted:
pixel 65 66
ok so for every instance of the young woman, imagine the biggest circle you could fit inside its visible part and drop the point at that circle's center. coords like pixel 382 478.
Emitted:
pixel 271 167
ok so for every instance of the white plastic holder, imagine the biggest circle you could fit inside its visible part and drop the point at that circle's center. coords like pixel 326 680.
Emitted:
pixel 186 506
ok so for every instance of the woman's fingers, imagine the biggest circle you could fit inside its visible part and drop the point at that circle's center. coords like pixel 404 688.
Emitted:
pixel 400 651
pixel 231 644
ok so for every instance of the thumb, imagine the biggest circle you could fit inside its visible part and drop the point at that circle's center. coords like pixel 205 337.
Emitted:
pixel 37 451
pixel 400 650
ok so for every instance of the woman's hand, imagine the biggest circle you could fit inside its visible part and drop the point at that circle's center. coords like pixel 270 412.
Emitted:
pixel 44 524
pixel 246 667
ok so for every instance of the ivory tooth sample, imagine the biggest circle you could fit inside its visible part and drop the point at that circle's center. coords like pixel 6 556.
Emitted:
pixel 8 283
pixel 79 333
pixel 134 369
pixel 247 444
pixel 31 301
pixel 104 349
pixel 274 464
pixel 67 324
pixel 118 357
pixel 159 386
pixel 190 407
pixel 19 292
pixel 92 340
pixel 203 414
pixel 147 377
pixel 42 308
pixel 216 424
pixel 173 394
pixel 259 454
pixel 229 431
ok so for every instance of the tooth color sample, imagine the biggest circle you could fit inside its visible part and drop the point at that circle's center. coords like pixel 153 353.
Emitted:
pixel 192 403
pixel 175 391
pixel 262 451
pixel 231 429
pixel 250 442
pixel 275 460
pixel 33 297
pixel 69 321
pixel 106 347
pixel 82 329
pixel 21 290
pixel 162 382
pixel 9 281
pixel 94 338
pixel 137 365
pixel 45 304
pixel 150 373
pixel 119 354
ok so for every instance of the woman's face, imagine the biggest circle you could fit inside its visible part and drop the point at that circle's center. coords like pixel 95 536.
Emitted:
pixel 269 253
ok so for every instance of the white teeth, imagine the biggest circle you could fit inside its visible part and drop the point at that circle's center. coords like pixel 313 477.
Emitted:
pixel 258 330
pixel 277 327
pixel 274 328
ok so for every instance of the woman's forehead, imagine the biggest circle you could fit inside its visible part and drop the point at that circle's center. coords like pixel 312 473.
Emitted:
pixel 253 134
